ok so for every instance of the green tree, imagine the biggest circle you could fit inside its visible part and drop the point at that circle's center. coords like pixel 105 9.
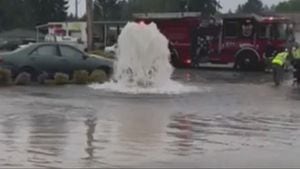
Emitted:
pixel 44 11
pixel 207 7
pixel 251 6
pixel 239 8
pixel 288 6
pixel 13 14
pixel 273 7
pixel 29 13
pixel 147 5
pixel 267 8
pixel 109 9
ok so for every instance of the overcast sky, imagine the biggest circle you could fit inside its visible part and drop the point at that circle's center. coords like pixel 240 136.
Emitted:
pixel 232 4
pixel 227 4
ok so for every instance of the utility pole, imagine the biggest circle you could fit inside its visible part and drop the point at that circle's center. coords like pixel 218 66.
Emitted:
pixel 76 9
pixel 89 22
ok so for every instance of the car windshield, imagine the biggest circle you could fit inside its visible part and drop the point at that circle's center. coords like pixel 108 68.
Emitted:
pixel 279 31
pixel 275 31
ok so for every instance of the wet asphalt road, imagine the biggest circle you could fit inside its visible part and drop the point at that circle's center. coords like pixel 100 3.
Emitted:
pixel 242 121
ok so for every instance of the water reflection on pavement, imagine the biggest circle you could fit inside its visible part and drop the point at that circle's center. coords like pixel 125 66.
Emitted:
pixel 242 122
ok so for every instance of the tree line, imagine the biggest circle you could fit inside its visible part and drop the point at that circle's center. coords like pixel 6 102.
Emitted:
pixel 29 13
pixel 257 6
pixel 123 9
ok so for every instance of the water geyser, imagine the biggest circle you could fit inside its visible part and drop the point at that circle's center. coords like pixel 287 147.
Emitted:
pixel 143 63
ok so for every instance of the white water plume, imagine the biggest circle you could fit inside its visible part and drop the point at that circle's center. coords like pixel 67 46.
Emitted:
pixel 143 64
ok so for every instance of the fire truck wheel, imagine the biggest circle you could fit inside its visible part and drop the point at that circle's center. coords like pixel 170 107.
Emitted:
pixel 175 61
pixel 247 61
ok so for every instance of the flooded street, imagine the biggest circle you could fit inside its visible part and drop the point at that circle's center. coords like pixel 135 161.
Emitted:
pixel 148 114
pixel 241 121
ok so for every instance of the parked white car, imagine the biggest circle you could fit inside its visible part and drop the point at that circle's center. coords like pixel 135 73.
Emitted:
pixel 111 49
pixel 76 42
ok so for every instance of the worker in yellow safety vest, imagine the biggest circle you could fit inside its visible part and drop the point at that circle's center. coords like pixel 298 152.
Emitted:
pixel 278 63
pixel 296 53
pixel 280 59
pixel 296 63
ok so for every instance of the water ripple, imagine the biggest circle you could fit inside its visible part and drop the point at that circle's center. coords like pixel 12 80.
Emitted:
pixel 223 132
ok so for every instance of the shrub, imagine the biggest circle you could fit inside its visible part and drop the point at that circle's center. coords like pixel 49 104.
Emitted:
pixel 23 79
pixel 5 77
pixel 81 77
pixel 98 76
pixel 61 79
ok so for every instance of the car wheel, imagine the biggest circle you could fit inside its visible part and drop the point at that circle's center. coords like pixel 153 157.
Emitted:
pixel 175 60
pixel 107 70
pixel 33 73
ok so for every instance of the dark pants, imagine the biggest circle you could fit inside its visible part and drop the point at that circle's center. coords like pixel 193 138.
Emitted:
pixel 296 64
pixel 278 72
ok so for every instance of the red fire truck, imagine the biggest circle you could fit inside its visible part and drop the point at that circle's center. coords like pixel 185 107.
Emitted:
pixel 245 41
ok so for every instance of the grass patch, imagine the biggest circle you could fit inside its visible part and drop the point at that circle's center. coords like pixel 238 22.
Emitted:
pixel 98 76
pixel 5 77
pixel 60 79
pixel 80 77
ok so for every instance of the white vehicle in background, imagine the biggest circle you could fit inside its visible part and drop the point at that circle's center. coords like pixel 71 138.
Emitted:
pixel 111 49
pixel 74 41
pixel 25 45
pixel 71 33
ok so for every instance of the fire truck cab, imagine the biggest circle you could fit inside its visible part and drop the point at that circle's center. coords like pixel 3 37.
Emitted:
pixel 249 40
pixel 246 41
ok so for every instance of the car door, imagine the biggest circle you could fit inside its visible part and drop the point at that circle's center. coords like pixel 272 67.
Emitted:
pixel 45 58
pixel 74 57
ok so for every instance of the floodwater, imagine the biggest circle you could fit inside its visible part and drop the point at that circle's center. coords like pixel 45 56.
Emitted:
pixel 242 121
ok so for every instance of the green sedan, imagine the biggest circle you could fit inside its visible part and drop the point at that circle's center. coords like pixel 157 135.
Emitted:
pixel 52 58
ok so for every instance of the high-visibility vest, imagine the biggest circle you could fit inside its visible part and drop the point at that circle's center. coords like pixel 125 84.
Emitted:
pixel 296 54
pixel 280 58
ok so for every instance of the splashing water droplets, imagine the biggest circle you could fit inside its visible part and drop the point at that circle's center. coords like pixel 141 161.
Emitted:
pixel 143 64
